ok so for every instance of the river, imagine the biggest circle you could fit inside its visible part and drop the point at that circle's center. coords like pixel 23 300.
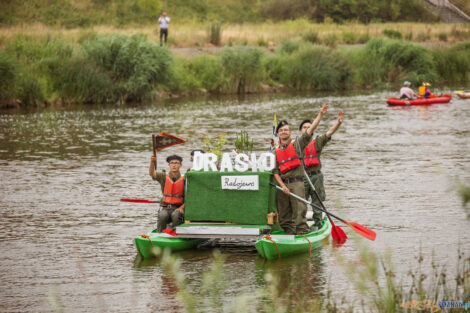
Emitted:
pixel 66 240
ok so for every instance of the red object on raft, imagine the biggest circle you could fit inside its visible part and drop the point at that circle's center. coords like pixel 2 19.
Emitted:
pixel 405 102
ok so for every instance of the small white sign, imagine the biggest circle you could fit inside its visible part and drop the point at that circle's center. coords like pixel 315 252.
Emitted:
pixel 248 182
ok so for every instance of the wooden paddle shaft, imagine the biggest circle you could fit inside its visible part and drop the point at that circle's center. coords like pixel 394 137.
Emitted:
pixel 307 202
pixel 154 144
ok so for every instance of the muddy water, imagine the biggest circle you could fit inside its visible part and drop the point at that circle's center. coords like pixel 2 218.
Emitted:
pixel 66 240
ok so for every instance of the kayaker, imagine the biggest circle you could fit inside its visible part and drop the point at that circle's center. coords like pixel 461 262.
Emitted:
pixel 406 92
pixel 289 174
pixel 313 166
pixel 425 90
pixel 172 184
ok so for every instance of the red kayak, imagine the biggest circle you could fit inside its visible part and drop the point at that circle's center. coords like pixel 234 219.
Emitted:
pixel 405 102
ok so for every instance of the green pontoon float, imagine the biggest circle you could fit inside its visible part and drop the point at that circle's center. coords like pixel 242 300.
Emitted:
pixel 233 205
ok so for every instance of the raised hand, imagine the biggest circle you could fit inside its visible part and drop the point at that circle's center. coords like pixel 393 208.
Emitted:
pixel 324 108
pixel 340 116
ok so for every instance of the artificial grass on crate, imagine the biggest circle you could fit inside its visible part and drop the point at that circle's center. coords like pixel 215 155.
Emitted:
pixel 207 201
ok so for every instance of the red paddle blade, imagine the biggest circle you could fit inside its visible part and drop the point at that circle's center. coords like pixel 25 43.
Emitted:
pixel 337 233
pixel 138 200
pixel 165 140
pixel 362 230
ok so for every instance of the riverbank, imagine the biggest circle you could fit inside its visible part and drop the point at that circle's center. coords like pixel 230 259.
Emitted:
pixel 96 68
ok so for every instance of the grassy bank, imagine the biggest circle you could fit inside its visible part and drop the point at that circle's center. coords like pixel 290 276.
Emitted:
pixel 198 34
pixel 118 68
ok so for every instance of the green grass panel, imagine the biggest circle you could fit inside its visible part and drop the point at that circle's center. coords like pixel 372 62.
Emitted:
pixel 207 201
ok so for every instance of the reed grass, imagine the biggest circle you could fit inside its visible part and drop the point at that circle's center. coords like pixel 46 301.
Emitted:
pixel 373 276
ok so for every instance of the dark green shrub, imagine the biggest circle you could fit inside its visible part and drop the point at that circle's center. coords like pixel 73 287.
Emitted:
pixel 8 76
pixel 215 34
pixel 330 40
pixel 288 46
pixel 442 36
pixel 133 64
pixel 453 63
pixel 317 68
pixel 391 61
pixel 311 37
pixel 392 34
pixel 350 38
pixel 30 89
pixel 243 68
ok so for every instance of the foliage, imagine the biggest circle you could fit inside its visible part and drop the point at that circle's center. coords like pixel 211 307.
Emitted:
pixel 215 33
pixel 311 37
pixel 373 276
pixel 330 40
pixel 215 145
pixel 453 63
pixel 289 46
pixel 243 68
pixel 133 64
pixel 392 34
pixel 243 143
pixel 388 61
pixel 317 68
pixel 8 75
pixel 71 13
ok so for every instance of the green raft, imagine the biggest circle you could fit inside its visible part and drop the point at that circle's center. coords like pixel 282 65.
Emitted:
pixel 277 245
pixel 153 244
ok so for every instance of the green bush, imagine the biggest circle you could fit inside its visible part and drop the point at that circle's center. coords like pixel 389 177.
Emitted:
pixel 442 36
pixel 133 64
pixel 389 61
pixel 8 76
pixel 243 68
pixel 311 37
pixel 392 34
pixel 330 40
pixel 30 89
pixel 215 34
pixel 288 46
pixel 350 38
pixel 363 38
pixel 453 63
pixel 317 68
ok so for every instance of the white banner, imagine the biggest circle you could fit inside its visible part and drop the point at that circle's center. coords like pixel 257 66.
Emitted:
pixel 248 182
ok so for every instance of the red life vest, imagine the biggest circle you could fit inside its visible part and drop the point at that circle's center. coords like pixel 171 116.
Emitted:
pixel 310 155
pixel 173 193
pixel 288 158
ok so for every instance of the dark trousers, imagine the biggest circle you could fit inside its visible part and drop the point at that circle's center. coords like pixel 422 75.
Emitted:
pixel 163 32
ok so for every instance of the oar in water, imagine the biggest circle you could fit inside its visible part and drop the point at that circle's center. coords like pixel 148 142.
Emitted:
pixel 139 201
pixel 336 232
pixel 358 228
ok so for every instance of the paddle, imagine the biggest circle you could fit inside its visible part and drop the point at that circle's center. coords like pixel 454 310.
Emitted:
pixel 154 144
pixel 358 228
pixel 336 232
pixel 139 201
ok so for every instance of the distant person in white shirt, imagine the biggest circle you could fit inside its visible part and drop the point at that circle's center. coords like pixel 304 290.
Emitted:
pixel 406 92
pixel 164 21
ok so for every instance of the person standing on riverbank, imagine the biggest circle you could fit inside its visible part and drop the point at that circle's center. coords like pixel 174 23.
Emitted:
pixel 313 165
pixel 289 174
pixel 163 21
pixel 172 205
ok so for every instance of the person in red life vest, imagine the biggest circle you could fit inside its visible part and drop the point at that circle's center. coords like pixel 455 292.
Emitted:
pixel 312 162
pixel 172 205
pixel 289 174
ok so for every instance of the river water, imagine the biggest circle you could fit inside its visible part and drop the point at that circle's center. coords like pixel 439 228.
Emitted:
pixel 66 240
